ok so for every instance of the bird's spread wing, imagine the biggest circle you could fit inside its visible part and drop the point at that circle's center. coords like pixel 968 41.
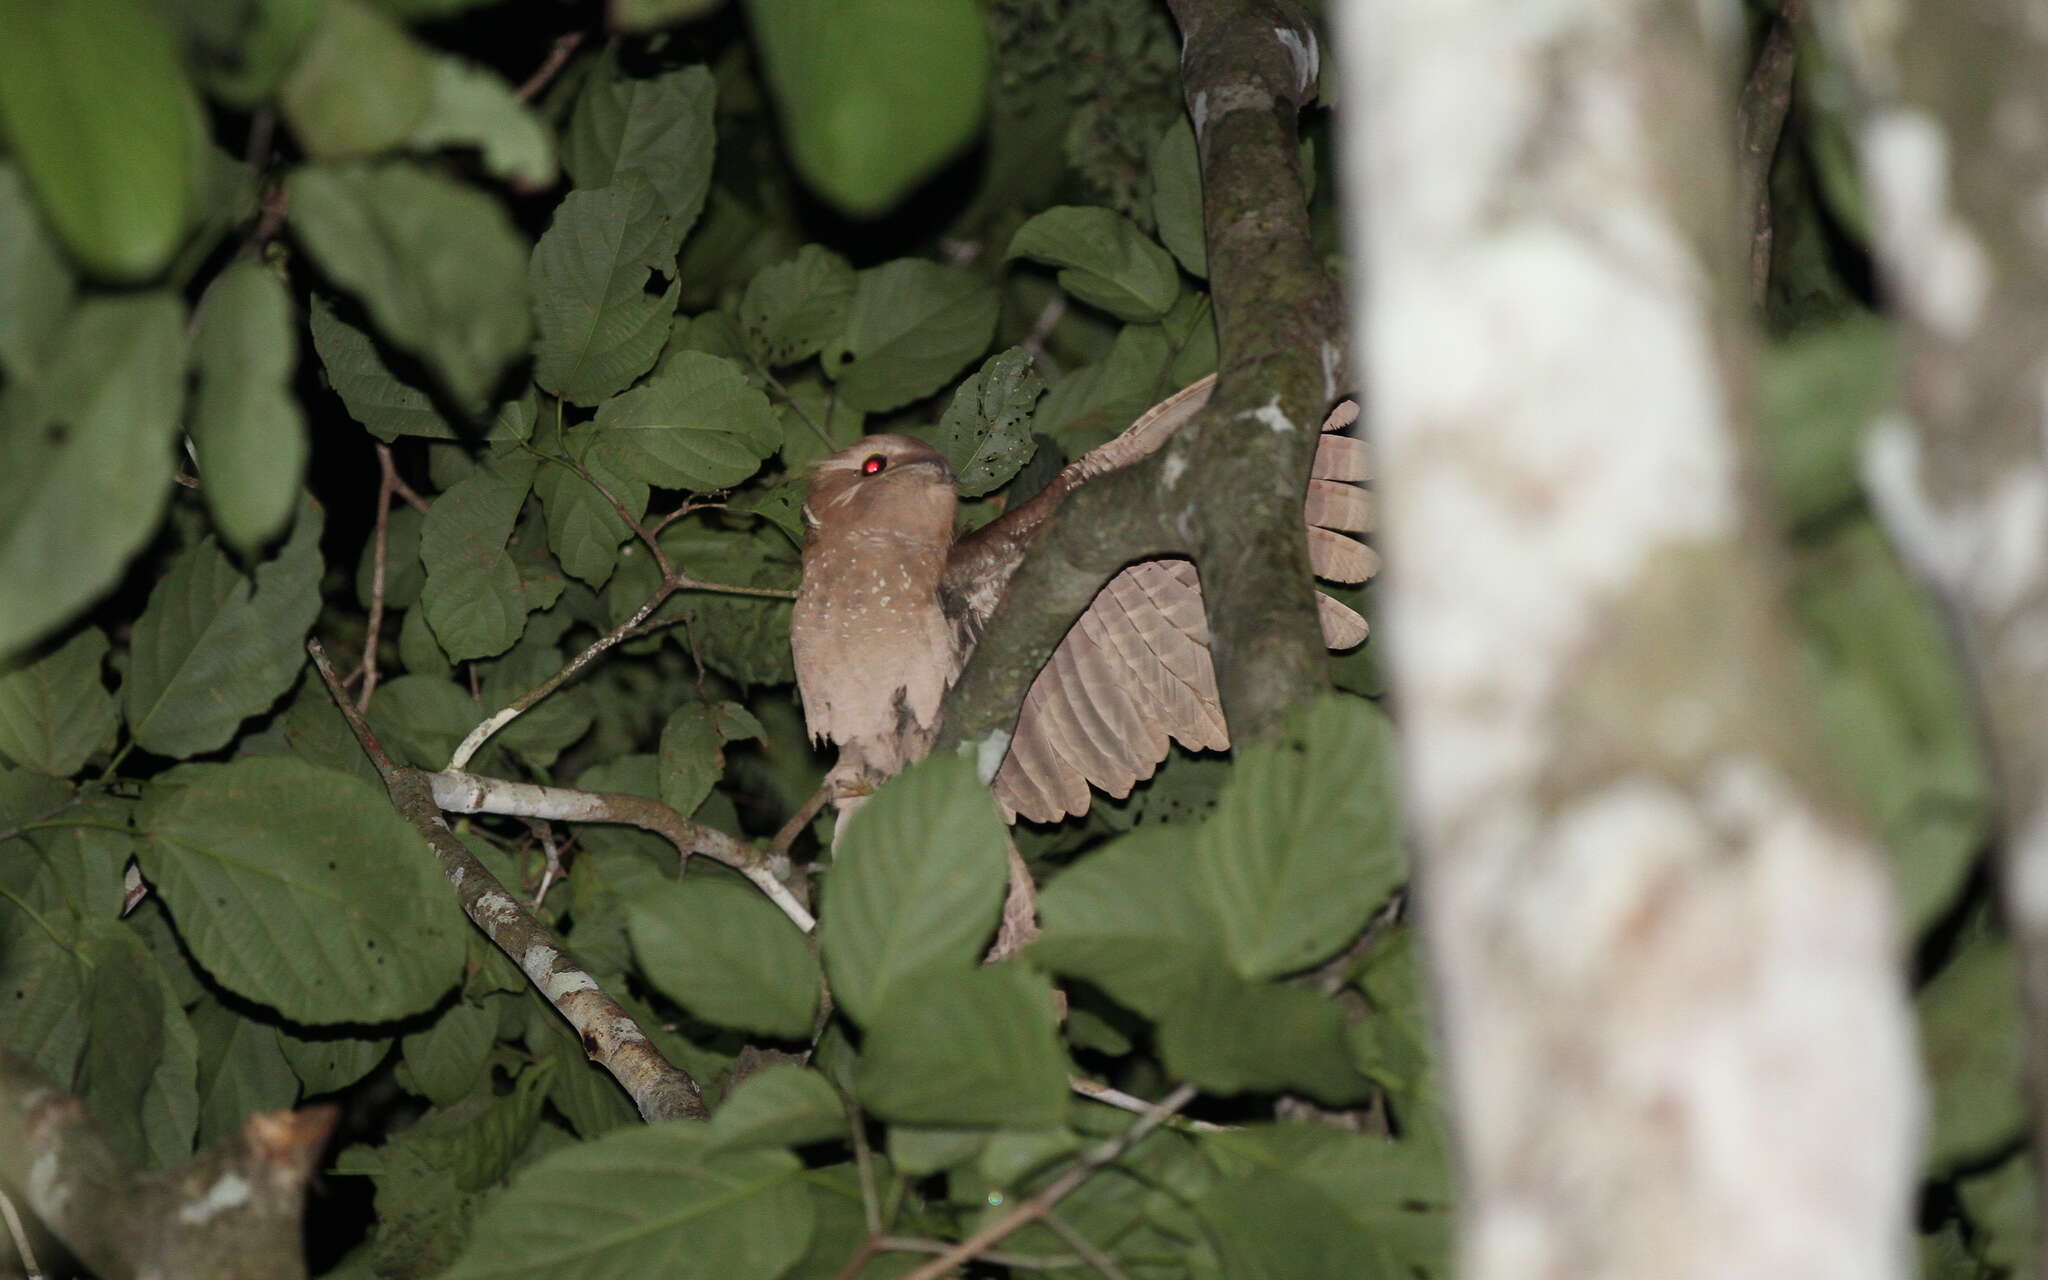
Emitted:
pixel 1135 672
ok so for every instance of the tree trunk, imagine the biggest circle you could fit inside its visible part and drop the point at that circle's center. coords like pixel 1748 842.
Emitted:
pixel 1955 152
pixel 1670 991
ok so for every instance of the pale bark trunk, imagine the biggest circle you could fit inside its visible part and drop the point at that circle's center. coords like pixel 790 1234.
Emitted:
pixel 1670 990
pixel 1955 152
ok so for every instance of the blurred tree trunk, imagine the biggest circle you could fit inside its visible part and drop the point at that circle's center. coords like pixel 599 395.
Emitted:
pixel 1955 153
pixel 1670 988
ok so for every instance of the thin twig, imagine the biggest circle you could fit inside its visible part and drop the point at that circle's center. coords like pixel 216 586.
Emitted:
pixel 779 846
pixel 1082 1245
pixel 558 57
pixel 1759 120
pixel 1039 1205
pixel 769 377
pixel 411 495
pixel 1131 1102
pixel 14 1228
pixel 864 1169
pixel 386 486
pixel 1024 1261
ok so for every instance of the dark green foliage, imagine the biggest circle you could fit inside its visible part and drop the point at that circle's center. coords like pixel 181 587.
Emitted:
pixel 621 300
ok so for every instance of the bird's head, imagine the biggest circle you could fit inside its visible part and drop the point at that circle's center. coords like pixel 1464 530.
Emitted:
pixel 883 482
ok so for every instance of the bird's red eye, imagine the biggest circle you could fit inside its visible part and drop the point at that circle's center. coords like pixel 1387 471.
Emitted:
pixel 874 466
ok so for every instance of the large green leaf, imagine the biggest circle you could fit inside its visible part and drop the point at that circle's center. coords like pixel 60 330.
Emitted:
pixel 242 1070
pixel 723 951
pixel 439 265
pixel 360 86
pixel 239 50
pixel 584 528
pixel 124 1016
pixel 1131 919
pixel 88 459
pixel 916 883
pixel 386 407
pixel 1232 1036
pixel 448 1059
pixel 792 309
pixel 54 712
pixel 1104 260
pixel 211 649
pixel 97 112
pixel 693 749
pixel 697 424
pixel 300 888
pixel 780 1105
pixel 660 128
pixel 1973 1040
pixel 913 325
pixel 246 426
pixel 986 432
pixel 600 328
pixel 875 94
pixel 474 596
pixel 965 1046
pixel 1305 840
pixel 654 1200
pixel 35 285
pixel 327 1063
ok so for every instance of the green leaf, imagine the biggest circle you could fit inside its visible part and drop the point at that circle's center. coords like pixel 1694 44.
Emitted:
pixel 1232 1036
pixel 329 1063
pixel 2004 1209
pixel 55 712
pixel 1177 197
pixel 659 128
pixel 646 15
pixel 541 733
pixel 124 1016
pixel 242 1070
pixel 1130 919
pixel 792 309
pixel 1973 1041
pixel 1304 842
pixel 697 424
pixel 584 529
pixel 361 86
pixel 473 596
pixel 240 50
pixel 170 1106
pixel 300 888
pixel 599 326
pixel 403 573
pixel 1104 260
pixel 965 1046
pixel 246 426
pixel 655 1200
pixel 422 718
pixel 35 285
pixel 724 952
pixel 88 459
pixel 986 432
pixel 874 95
pixel 97 113
pixel 448 1059
pixel 693 750
pixel 472 106
pixel 781 1105
pixel 439 265
pixel 914 324
pixel 211 650
pixel 386 407
pixel 916 882
pixel 1816 395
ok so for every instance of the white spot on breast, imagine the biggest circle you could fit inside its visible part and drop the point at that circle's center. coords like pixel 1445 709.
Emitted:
pixel 1303 53
pixel 1270 414
pixel 231 1191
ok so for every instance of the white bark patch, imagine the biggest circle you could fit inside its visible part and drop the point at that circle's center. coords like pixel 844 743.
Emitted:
pixel 1940 270
pixel 564 982
pixel 539 963
pixel 1172 470
pixel 230 1191
pixel 1272 417
pixel 2026 870
pixel 1199 109
pixel 1333 363
pixel 1239 97
pixel 496 906
pixel 1989 553
pixel 989 753
pixel 1302 53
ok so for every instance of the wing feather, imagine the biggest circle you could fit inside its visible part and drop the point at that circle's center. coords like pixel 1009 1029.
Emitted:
pixel 1134 673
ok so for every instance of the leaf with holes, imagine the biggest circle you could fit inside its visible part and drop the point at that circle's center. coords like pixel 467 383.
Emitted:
pixel 600 326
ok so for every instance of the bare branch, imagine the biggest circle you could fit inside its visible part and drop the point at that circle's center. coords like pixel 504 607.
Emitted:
pixel 610 1037
pixel 1759 119
pixel 558 57
pixel 386 486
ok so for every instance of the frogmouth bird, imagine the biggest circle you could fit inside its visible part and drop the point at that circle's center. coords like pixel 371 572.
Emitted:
pixel 892 603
